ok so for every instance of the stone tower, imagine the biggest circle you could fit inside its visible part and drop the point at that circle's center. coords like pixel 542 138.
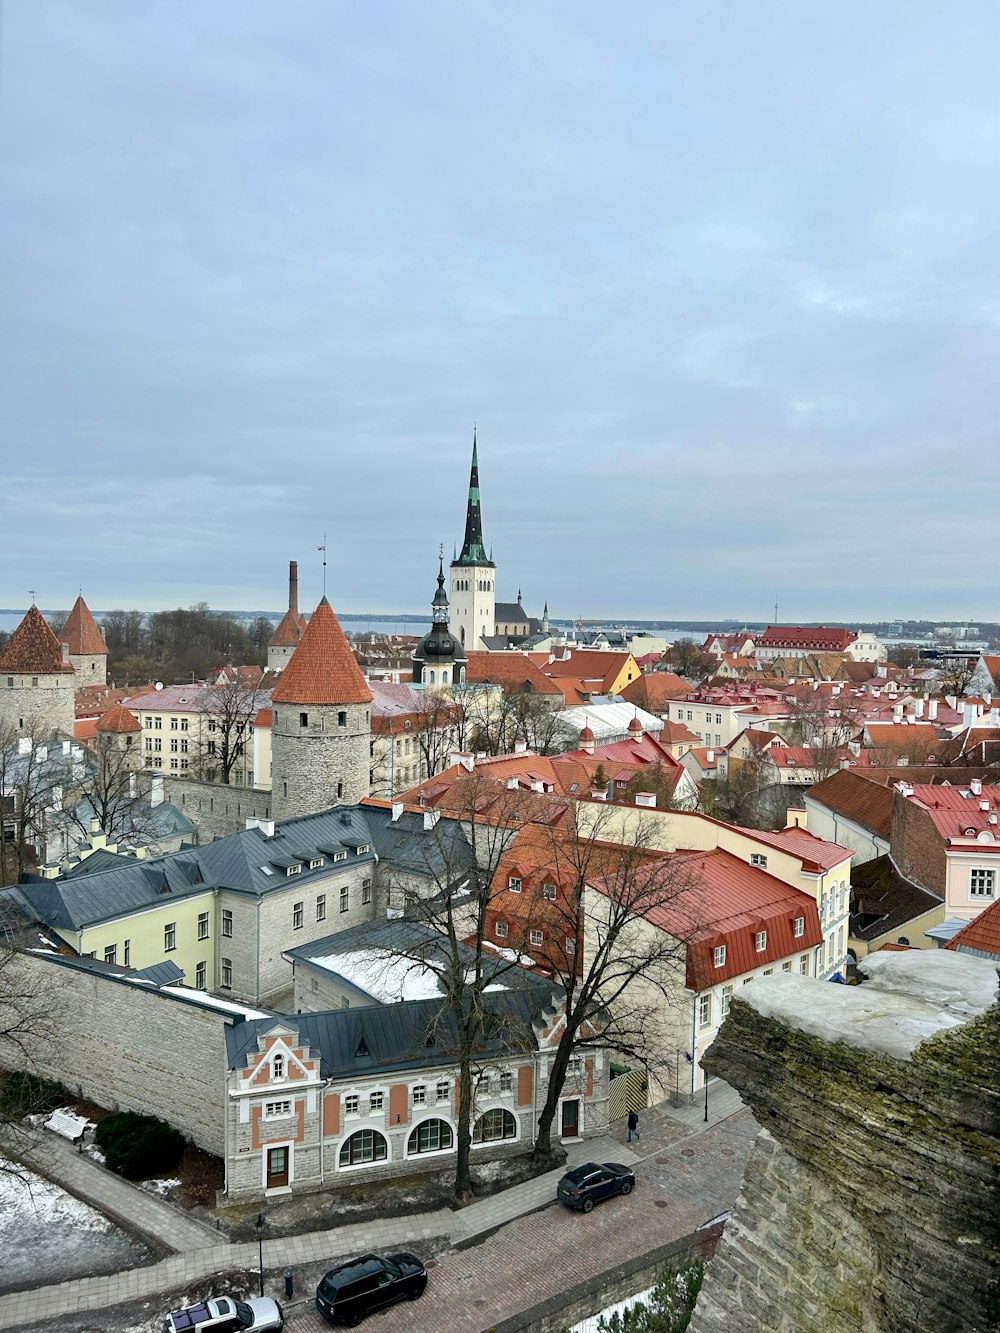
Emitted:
pixel 286 637
pixel 37 686
pixel 439 658
pixel 83 644
pixel 473 574
pixel 118 738
pixel 321 723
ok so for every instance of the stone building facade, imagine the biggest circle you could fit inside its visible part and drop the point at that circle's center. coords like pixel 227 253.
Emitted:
pixel 320 723
pixel 83 646
pixel 37 686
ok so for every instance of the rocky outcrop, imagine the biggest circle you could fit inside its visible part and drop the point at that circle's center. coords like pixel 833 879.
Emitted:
pixel 871 1201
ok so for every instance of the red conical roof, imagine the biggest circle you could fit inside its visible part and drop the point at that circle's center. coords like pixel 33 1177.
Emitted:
pixel 635 726
pixel 80 634
pixel 33 649
pixel 289 631
pixel 118 719
pixel 322 670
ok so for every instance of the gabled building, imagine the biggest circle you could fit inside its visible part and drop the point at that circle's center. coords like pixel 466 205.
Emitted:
pixel 83 645
pixel 798 641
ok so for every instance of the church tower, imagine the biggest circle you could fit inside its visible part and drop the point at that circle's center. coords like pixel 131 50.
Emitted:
pixel 439 658
pixel 473 575
pixel 320 723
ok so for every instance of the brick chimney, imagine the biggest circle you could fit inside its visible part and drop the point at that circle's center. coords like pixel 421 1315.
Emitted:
pixel 293 586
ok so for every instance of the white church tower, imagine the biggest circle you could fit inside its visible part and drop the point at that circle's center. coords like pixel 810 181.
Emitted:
pixel 473 575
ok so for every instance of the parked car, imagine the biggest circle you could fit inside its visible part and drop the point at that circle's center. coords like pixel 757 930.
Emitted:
pixel 355 1289
pixel 226 1314
pixel 586 1185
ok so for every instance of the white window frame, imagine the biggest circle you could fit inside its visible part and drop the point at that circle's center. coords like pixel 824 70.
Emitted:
pixel 719 955
pixel 352 1104
pixel 705 1010
pixel 514 883
pixel 279 1110
pixel 799 927
pixel 759 860
pixel 500 929
pixel 536 937
pixel 988 875
pixel 760 941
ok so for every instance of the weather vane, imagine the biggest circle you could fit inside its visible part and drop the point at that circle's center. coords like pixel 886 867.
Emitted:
pixel 323 549
pixel 31 594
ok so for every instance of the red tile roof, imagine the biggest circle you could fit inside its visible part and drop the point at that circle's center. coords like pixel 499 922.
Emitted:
pixel 511 671
pixel 290 629
pixel 81 634
pixel 33 650
pixel 958 812
pixel 981 935
pixel 593 665
pixel 859 798
pixel 655 690
pixel 812 637
pixel 322 670
pixel 815 853
pixel 118 719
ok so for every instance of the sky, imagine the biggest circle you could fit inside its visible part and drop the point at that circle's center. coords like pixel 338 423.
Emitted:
pixel 719 284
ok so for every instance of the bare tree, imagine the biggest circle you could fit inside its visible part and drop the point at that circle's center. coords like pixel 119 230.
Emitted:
pixel 498 718
pixel 227 714
pixel 436 731
pixel 29 1009
pixel 31 788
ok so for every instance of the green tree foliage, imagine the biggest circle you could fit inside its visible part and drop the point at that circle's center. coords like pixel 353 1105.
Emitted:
pixel 24 1094
pixel 139 1146
pixel 667 1309
pixel 176 646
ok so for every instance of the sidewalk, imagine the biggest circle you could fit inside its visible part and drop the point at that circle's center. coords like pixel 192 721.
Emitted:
pixel 210 1253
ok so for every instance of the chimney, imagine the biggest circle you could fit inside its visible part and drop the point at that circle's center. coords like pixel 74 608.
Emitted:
pixel 431 817
pixel 897 713
pixel 969 714
pixel 95 825
pixel 601 795
pixel 24 745
pixel 931 709
pixel 65 651
pixel 995 717
pixel 645 798
pixel 397 810
pixel 918 707
pixel 984 805
pixel 520 747
pixel 976 786
pixel 156 791
pixel 293 587
pixel 710 756
pixel 845 763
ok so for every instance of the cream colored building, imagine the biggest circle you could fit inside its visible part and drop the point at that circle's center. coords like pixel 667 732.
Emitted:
pixel 182 734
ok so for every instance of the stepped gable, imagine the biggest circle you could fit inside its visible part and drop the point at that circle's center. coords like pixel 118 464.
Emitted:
pixel 81 633
pixel 322 670
pixel 290 629
pixel 33 649
pixel 118 720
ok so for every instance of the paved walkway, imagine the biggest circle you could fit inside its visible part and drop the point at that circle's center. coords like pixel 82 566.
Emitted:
pixel 205 1252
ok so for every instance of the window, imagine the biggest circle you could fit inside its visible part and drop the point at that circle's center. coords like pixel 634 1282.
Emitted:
pixel 727 995
pixel 704 1011
pixel 769 971
pixel 321 907
pixel 760 941
pixel 184 747
pixel 366 890
pixel 127 953
pixel 786 967
pixel 549 892
pixel 376 1101
pixel 227 923
pixel 981 882
pixel 212 724
pixel 278 1068
pixel 500 930
pixel 111 953
pixel 275 1110
pixel 184 724
pixel 419 1095
pixel 173 763
pixel 430 1136
pixel 339 856
pixel 535 937
pixel 345 897
pixel 157 745
pixel 494 1126
pixel 570 945
pixel 804 964
pixel 201 976
pixel 506 1081
pixel 363 849
pixel 303 719
pixel 315 863
pixel 227 974
pixel 149 743
pixel 574 1066
pixel 296 916
pixel 718 719
pixel 169 936
pixel 292 870
pixel 442 1090
pixel 158 723
pixel 689 716
pixel 185 763
pixel 719 956
pixel 366 1145
pixel 352 1104
pixel 341 719
pixel 203 925
pixel 759 859
pixel 173 724
pixel 514 884
pixel 798 927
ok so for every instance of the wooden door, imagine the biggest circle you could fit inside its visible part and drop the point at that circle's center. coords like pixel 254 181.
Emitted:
pixel 277 1168
pixel 570 1119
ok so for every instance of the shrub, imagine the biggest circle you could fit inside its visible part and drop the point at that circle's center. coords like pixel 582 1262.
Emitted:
pixel 667 1309
pixel 23 1094
pixel 138 1146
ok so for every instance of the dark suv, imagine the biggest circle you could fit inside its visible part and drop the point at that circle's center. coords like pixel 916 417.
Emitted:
pixel 590 1183
pixel 370 1283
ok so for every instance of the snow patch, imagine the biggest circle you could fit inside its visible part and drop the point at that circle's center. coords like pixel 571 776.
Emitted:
pixel 590 1324
pixel 161 1188
pixel 961 983
pixel 67 1124
pixel 384 976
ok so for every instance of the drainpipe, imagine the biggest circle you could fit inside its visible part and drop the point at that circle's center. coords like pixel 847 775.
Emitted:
pixel 322 1145
pixel 225 1130
pixel 694 1029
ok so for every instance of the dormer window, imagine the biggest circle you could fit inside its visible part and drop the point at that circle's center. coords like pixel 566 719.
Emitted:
pixel 798 927
pixel 292 870
pixel 363 849
pixel 760 941
pixel 719 955
pixel 340 856
pixel 514 883
pixel 315 863
pixel 759 860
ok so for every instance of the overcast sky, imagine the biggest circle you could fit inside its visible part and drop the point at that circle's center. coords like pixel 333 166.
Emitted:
pixel 718 281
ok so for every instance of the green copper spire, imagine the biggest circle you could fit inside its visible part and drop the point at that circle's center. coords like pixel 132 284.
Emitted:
pixel 473 549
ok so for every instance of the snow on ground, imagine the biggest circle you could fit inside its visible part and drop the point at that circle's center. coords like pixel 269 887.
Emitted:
pixel 47 1235
pixel 589 1325
pixel 162 1188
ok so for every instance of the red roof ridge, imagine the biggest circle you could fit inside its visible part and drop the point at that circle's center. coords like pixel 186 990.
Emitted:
pixel 81 633
pixel 33 650
pixel 289 631
pixel 322 669
pixel 118 719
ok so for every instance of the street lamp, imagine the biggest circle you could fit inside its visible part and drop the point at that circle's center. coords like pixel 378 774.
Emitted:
pixel 260 1222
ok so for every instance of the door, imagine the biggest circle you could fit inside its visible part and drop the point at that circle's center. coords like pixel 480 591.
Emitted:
pixel 570 1119
pixel 277 1168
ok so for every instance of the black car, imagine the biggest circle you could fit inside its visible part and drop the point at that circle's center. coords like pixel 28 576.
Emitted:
pixel 588 1184
pixel 359 1287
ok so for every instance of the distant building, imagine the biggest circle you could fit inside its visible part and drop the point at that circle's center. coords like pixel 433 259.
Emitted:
pixel 37 682
pixel 291 626
pixel 83 645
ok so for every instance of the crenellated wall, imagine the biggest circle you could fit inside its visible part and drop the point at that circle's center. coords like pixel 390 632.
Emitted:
pixel 871 1201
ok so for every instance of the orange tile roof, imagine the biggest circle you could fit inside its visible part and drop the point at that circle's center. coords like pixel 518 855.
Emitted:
pixel 981 935
pixel 289 631
pixel 322 670
pixel 511 671
pixel 85 728
pixel 81 634
pixel 33 650
pixel 591 664
pixel 118 719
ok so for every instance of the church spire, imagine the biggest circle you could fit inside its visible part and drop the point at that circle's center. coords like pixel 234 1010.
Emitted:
pixel 473 548
pixel 439 606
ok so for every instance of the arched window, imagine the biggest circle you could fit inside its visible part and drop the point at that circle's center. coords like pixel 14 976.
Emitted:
pixel 278 1068
pixel 432 677
pixel 444 677
pixel 366 1145
pixel 494 1125
pixel 429 1136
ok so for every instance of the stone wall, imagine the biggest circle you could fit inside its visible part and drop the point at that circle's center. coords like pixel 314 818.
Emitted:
pixel 319 763
pixel 214 809
pixel 871 1204
pixel 129 1048
pixel 916 846
pixel 37 704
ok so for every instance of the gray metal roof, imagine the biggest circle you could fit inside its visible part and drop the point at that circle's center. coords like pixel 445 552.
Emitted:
pixel 441 854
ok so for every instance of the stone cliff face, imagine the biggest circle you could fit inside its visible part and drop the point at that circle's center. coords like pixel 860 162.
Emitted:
pixel 871 1201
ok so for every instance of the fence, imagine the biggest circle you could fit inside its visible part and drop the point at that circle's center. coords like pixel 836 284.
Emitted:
pixel 627 1092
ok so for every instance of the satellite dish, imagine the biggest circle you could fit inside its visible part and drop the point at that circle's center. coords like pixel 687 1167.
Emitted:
pixel 158 685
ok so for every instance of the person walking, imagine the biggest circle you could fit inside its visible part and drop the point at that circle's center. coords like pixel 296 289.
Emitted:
pixel 633 1126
